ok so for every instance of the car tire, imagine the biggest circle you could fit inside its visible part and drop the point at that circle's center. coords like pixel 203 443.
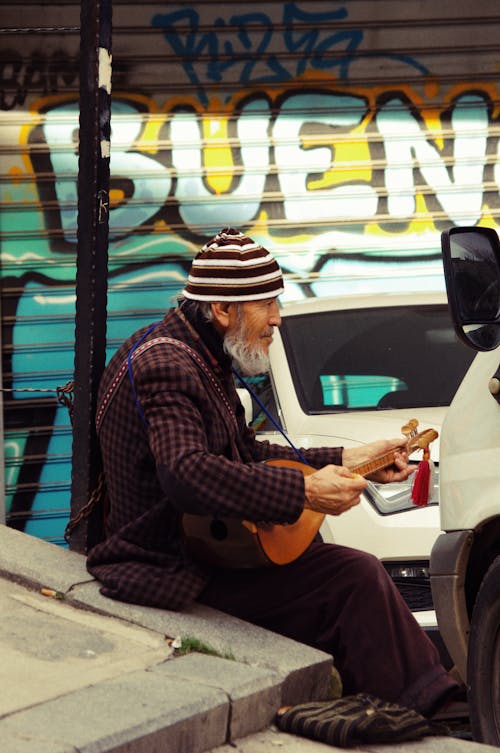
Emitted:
pixel 483 661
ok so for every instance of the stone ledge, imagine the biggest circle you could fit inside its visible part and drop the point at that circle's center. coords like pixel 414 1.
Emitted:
pixel 305 672
pixel 36 563
pixel 254 693
pixel 138 712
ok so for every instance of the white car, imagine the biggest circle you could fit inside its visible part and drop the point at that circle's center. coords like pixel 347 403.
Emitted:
pixel 465 560
pixel 346 371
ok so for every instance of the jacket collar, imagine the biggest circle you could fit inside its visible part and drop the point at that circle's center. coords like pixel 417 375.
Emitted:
pixel 205 335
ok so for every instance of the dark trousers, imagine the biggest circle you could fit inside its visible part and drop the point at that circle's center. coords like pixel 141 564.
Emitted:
pixel 342 601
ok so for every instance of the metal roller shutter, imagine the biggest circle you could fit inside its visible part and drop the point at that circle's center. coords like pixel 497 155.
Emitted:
pixel 343 135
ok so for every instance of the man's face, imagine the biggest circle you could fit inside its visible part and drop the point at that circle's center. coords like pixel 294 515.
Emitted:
pixel 250 334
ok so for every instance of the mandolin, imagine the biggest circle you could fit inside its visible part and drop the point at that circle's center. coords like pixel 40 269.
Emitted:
pixel 230 542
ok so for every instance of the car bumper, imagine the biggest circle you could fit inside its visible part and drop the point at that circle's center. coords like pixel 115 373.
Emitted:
pixel 448 567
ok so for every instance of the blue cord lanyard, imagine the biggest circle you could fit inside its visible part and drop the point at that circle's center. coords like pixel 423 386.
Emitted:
pixel 269 416
pixel 243 382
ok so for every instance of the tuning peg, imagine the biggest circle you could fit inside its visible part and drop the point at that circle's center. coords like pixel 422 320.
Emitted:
pixel 410 428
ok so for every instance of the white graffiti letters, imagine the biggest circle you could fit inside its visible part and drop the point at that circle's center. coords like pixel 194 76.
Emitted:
pixel 296 164
pixel 302 146
pixel 198 204
pixel 456 183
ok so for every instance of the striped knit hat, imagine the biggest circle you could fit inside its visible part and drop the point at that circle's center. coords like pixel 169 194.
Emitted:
pixel 232 267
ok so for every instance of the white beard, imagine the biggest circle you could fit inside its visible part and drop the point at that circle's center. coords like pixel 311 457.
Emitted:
pixel 250 361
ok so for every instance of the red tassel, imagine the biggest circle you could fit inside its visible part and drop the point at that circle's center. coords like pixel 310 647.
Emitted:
pixel 420 488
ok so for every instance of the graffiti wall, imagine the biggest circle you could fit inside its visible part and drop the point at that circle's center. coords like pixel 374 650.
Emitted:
pixel 345 136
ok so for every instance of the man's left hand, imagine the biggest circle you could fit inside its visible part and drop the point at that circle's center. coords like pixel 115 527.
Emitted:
pixel 399 470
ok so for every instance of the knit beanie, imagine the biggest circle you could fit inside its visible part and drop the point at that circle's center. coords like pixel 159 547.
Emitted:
pixel 233 267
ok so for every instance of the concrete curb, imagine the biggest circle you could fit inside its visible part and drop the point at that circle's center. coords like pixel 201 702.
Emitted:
pixel 191 703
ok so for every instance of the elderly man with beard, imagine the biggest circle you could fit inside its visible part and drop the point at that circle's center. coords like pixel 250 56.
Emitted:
pixel 174 441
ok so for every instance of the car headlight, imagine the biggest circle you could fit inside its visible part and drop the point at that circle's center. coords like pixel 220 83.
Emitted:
pixel 396 497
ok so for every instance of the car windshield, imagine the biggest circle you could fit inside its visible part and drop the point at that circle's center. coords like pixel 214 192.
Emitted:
pixel 374 358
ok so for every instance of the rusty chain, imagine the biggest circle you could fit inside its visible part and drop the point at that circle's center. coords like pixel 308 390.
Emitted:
pixel 98 496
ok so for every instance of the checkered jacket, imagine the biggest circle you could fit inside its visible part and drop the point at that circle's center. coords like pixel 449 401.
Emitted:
pixel 173 441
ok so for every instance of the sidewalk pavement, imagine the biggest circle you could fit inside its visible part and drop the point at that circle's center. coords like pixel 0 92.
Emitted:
pixel 84 674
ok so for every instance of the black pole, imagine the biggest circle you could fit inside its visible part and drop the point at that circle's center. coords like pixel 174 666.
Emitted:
pixel 92 259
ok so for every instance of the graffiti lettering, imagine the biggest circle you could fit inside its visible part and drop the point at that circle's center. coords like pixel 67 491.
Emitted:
pixel 198 204
pixel 149 191
pixel 45 73
pixel 296 164
pixel 317 179
pixel 248 47
pixel 460 195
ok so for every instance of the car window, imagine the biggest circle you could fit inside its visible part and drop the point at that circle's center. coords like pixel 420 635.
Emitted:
pixel 374 359
pixel 357 390
pixel 263 394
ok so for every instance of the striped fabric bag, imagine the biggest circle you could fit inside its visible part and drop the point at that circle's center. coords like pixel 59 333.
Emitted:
pixel 356 719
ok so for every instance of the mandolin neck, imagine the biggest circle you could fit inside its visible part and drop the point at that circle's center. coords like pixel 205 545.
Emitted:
pixel 382 461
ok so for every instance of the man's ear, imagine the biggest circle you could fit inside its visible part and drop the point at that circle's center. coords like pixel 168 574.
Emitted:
pixel 222 314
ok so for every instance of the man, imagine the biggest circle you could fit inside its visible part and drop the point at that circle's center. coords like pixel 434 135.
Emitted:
pixel 174 440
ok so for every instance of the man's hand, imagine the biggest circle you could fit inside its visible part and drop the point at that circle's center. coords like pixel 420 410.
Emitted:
pixel 398 471
pixel 333 489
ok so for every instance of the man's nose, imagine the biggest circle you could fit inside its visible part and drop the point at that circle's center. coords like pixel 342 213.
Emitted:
pixel 275 316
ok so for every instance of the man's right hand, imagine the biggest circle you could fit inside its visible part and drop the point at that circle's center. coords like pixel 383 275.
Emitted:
pixel 333 489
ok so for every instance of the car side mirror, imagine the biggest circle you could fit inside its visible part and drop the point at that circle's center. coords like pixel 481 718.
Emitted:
pixel 471 260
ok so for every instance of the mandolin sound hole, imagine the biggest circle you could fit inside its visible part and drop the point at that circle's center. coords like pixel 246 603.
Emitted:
pixel 218 530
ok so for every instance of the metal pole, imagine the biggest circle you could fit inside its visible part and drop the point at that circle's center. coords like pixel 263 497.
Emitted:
pixel 3 512
pixel 92 257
